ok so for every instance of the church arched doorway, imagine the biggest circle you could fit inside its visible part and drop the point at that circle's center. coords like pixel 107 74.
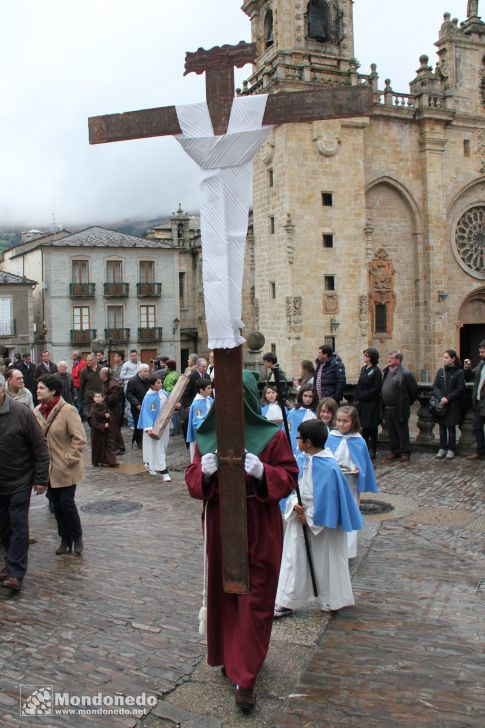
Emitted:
pixel 472 322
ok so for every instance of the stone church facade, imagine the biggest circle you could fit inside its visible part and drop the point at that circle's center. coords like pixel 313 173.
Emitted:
pixel 368 231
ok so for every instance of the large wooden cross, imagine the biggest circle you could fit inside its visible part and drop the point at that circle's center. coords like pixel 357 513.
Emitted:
pixel 304 106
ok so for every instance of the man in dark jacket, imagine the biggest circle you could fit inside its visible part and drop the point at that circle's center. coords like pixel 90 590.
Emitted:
pixel 25 464
pixel 478 400
pixel 28 371
pixel 399 391
pixel 329 376
pixel 45 366
pixel 89 382
pixel 68 390
pixel 135 392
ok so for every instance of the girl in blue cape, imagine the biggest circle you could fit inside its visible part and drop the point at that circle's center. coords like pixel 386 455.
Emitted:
pixel 305 409
pixel 270 407
pixel 329 512
pixel 351 453
pixel 154 450
pixel 199 409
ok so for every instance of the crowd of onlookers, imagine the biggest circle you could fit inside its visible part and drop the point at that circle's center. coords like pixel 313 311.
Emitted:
pixel 62 397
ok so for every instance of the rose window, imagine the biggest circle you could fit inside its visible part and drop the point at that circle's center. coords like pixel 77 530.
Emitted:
pixel 470 240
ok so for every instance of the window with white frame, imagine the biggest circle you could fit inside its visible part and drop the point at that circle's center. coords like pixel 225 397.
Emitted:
pixel 147 317
pixel 80 316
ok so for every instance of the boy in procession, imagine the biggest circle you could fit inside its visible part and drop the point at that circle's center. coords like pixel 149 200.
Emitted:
pixel 199 409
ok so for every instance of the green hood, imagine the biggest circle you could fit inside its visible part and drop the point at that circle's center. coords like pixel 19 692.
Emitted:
pixel 258 431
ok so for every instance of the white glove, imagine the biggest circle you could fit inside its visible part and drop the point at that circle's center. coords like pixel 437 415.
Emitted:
pixel 253 466
pixel 209 463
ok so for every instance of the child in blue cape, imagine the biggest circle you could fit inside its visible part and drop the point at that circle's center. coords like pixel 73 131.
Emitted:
pixel 329 512
pixel 199 409
pixel 352 454
pixel 305 409
pixel 270 407
pixel 154 450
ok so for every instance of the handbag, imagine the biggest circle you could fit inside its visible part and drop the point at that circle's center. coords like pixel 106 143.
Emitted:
pixel 436 409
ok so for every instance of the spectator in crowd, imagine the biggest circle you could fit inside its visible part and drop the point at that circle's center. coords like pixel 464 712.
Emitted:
pixel 68 390
pixel 192 361
pixel 89 382
pixel 478 399
pixel 307 372
pixel 102 446
pixel 399 391
pixel 329 377
pixel 25 465
pixel 101 360
pixel 64 432
pixel 46 366
pixel 118 361
pixel 135 392
pixel 274 375
pixel 210 368
pixel 78 364
pixel 128 370
pixel 113 398
pixel 449 388
pixel 367 399
pixel 14 386
pixel 28 371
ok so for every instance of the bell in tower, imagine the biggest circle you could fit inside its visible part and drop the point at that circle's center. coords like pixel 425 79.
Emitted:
pixel 318 14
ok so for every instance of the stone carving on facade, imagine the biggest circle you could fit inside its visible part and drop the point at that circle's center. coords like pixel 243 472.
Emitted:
pixel 381 291
pixel 266 150
pixel 326 136
pixel 289 229
pixel 472 9
pixel 363 315
pixel 470 241
pixel 330 302
pixel 294 316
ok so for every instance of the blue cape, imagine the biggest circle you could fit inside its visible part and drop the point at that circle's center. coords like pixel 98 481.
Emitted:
pixel 265 408
pixel 199 409
pixel 334 505
pixel 366 481
pixel 295 418
pixel 150 408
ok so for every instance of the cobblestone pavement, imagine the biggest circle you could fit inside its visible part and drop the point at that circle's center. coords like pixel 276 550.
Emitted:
pixel 122 619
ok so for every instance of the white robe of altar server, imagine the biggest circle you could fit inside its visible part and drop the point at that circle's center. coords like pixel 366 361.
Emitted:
pixel 329 554
pixel 343 457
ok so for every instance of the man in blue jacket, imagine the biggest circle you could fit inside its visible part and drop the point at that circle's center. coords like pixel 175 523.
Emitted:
pixel 329 374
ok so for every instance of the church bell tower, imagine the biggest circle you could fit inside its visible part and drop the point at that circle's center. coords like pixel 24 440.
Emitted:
pixel 301 44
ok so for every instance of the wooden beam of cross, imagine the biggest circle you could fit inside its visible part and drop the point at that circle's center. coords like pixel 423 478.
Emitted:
pixel 305 106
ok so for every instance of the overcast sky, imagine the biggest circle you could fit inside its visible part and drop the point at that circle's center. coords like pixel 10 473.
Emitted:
pixel 65 60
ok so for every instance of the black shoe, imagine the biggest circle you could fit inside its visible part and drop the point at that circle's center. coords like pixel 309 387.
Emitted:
pixel 64 548
pixel 78 547
pixel 245 699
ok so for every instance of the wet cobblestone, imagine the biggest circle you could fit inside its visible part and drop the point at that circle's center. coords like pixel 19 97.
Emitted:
pixel 123 617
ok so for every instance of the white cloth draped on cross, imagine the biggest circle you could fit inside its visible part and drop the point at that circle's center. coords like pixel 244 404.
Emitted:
pixel 225 200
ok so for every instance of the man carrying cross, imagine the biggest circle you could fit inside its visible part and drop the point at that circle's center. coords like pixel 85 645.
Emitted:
pixel 222 136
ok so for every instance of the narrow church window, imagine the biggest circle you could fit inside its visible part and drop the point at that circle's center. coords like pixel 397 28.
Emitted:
pixel 327 240
pixel 327 199
pixel 273 348
pixel 381 318
pixel 268 29
pixel 329 341
pixel 271 225
pixel 273 289
pixel 466 147
pixel 329 282
pixel 182 289
pixel 270 178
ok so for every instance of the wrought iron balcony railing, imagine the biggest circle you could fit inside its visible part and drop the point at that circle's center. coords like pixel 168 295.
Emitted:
pixel 150 333
pixel 82 336
pixel 82 290
pixel 148 290
pixel 116 290
pixel 117 336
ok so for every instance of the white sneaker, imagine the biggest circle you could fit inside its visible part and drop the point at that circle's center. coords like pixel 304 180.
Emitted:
pixel 440 454
pixel 153 472
pixel 450 454
pixel 166 478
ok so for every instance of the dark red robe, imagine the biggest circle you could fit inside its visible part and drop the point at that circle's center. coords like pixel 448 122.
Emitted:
pixel 239 626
